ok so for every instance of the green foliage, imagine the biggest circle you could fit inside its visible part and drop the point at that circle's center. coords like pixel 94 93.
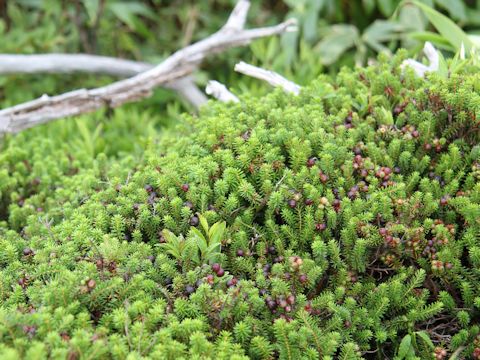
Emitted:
pixel 340 223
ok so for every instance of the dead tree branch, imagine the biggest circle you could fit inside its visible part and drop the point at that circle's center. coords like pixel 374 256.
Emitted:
pixel 180 64
pixel 271 77
pixel 220 92
pixel 92 64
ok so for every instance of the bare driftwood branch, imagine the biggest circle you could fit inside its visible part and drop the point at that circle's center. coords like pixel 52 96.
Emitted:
pixel 220 92
pixel 420 69
pixel 178 65
pixel 271 77
pixel 70 63
pixel 93 64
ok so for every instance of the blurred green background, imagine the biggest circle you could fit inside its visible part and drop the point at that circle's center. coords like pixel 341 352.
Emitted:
pixel 333 33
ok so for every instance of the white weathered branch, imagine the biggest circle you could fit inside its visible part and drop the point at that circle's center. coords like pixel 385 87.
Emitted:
pixel 70 63
pixel 220 92
pixel 178 65
pixel 271 77
pixel 420 69
pixel 92 64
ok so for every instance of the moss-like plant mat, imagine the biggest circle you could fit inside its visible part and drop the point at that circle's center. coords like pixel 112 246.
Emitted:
pixel 340 223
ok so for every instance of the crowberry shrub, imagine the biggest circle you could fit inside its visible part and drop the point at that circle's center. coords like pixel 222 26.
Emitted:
pixel 311 226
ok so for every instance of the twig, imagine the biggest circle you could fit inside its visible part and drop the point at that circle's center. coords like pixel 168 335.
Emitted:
pixel 420 69
pixel 220 92
pixel 93 64
pixel 457 353
pixel 178 65
pixel 70 63
pixel 271 77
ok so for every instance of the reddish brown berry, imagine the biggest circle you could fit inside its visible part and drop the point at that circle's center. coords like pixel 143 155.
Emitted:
pixel 216 267
pixel 185 187
pixel 91 284
pixel 209 278
pixel 444 201
pixel 311 162
pixel 291 299
pixel 220 272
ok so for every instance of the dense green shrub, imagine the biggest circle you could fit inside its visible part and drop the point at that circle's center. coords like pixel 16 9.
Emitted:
pixel 342 223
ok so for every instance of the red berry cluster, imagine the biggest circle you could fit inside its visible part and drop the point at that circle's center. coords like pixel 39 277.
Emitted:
pixel 323 177
pixel 296 263
pixel 348 121
pixel 436 144
pixel 476 350
pixel 388 238
pixel 282 305
pixel 102 265
pixel 23 281
pixel 356 189
pixel 384 173
pixel 89 285
pixel 439 353
pixel 410 132
pixel 217 268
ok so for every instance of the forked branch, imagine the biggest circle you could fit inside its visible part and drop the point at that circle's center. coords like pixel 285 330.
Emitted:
pixel 179 64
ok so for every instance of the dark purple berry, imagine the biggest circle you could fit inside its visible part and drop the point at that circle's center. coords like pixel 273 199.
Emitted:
pixel 308 202
pixel 292 203
pixel 320 226
pixel 240 252
pixel 27 251
pixel 220 272
pixel 216 267
pixel 232 282
pixel 185 187
pixel 194 221
pixel 188 204
pixel 303 278
pixel 189 289
pixel 148 188
pixel 271 304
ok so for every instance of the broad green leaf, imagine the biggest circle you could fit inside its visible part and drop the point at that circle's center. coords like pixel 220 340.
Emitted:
pixel 381 31
pixel 424 336
pixel 456 8
pixel 216 232
pixel 446 27
pixel 92 6
pixel 199 240
pixel 436 39
pixel 128 13
pixel 442 66
pixel 204 223
pixel 310 18
pixel 369 6
pixel 404 347
pixel 475 39
pixel 339 39
pixel 387 7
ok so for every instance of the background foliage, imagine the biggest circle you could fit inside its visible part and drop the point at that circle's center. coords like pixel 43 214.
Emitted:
pixel 332 33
